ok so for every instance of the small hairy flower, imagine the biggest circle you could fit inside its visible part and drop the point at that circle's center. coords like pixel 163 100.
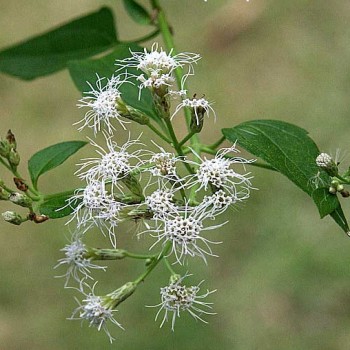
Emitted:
pixel 157 61
pixel 91 200
pixel 102 102
pixel 219 202
pixel 183 227
pixel 217 172
pixel 160 202
pixel 177 298
pixel 77 261
pixel 97 311
pixel 111 165
pixel 199 106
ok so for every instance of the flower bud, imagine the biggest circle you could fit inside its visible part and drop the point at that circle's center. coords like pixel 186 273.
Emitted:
pixel 131 113
pixel 11 140
pixel 325 162
pixel 12 217
pixel 38 218
pixel 14 157
pixel 118 296
pixel 104 254
pixel 4 148
pixel 20 184
pixel 197 119
pixel 4 195
pixel 332 190
pixel 20 199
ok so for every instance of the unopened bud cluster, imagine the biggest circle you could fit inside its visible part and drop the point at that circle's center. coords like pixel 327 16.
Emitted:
pixel 337 181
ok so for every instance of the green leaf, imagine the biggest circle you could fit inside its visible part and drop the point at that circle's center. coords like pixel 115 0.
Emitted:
pixel 51 157
pixel 290 151
pixel 137 12
pixel 57 206
pixel 326 202
pixel 84 71
pixel 50 52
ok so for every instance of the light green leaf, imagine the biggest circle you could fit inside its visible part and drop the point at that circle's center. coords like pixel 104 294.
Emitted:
pixel 51 157
pixel 50 52
pixel 57 207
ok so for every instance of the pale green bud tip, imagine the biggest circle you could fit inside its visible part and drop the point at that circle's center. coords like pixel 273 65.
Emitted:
pixel 20 199
pixel 14 157
pixel 12 217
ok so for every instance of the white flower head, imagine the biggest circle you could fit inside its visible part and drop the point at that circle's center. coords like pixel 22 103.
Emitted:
pixel 96 310
pixel 177 297
pixel 161 202
pixel 156 80
pixel 157 60
pixel 102 101
pixel 79 265
pixel 111 165
pixel 217 172
pixel 88 202
pixel 200 106
pixel 163 164
pixel 183 227
pixel 218 202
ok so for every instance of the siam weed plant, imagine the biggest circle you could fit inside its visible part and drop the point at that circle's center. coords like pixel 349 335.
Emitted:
pixel 176 188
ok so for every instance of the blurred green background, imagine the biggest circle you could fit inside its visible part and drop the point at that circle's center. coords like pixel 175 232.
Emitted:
pixel 283 275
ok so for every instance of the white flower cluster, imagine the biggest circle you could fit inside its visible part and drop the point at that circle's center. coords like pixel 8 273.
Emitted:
pixel 128 182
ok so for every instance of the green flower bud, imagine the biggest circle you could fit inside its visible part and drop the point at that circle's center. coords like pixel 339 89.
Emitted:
pixel 12 217
pixel 14 157
pixel 4 195
pixel 4 148
pixel 104 254
pixel 112 300
pixel 20 199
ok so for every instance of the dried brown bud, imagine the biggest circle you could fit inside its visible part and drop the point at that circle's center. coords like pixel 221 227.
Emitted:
pixel 20 184
pixel 37 218
pixel 11 139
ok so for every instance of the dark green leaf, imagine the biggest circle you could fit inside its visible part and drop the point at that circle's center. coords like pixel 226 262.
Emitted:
pixel 51 157
pixel 292 152
pixel 58 207
pixel 137 12
pixel 84 71
pixel 50 52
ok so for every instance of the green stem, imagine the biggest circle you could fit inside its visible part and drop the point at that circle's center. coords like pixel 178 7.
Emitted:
pixel 160 134
pixel 167 264
pixel 5 164
pixel 142 39
pixel 217 143
pixel 186 138
pixel 175 143
pixel 154 263
pixel 139 256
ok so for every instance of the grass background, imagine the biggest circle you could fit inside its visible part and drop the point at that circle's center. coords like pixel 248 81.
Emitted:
pixel 283 274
